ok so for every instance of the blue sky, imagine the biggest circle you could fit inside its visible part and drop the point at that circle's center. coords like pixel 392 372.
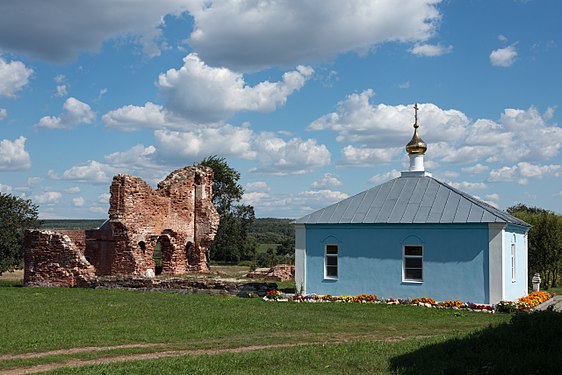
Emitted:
pixel 310 101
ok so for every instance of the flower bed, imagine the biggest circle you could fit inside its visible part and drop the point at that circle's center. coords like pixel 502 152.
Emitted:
pixel 524 303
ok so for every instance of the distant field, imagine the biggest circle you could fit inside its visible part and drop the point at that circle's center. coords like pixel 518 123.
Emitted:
pixel 263 247
pixel 71 224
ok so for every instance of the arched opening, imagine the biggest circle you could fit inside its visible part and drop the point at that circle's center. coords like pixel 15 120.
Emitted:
pixel 163 255
pixel 189 253
pixel 157 258
pixel 142 247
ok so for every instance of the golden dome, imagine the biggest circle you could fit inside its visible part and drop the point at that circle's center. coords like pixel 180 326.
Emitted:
pixel 416 146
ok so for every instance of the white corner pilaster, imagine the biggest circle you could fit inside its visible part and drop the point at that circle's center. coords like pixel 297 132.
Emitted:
pixel 496 262
pixel 300 258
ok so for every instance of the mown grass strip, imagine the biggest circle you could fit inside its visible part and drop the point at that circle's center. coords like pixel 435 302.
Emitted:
pixel 37 320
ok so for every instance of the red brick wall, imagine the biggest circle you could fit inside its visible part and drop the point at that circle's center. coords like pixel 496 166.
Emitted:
pixel 52 259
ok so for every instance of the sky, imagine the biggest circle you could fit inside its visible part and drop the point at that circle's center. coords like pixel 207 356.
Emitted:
pixel 311 101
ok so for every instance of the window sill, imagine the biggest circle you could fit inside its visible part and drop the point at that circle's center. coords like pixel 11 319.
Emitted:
pixel 412 281
pixel 331 278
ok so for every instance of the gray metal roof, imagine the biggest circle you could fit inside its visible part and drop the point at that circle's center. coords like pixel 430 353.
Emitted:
pixel 410 198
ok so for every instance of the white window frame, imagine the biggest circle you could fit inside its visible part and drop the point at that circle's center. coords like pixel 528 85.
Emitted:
pixel 336 256
pixel 513 264
pixel 404 257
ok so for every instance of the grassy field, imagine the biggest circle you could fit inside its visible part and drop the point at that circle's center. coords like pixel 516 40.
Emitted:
pixel 204 334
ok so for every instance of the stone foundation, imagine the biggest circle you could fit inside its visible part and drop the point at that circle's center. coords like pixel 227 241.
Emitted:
pixel 178 217
pixel 280 272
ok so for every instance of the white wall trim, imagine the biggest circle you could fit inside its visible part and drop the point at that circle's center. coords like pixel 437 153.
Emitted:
pixel 300 258
pixel 496 262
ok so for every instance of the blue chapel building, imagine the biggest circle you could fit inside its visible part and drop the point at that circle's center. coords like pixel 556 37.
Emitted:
pixel 413 236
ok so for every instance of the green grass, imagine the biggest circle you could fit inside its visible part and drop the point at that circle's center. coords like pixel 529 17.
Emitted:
pixel 352 358
pixel 39 320
pixel 528 344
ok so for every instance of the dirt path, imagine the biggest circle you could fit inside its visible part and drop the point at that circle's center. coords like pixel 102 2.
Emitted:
pixel 9 357
pixel 125 358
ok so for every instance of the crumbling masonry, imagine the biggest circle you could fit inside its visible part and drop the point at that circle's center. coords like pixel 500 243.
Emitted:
pixel 178 216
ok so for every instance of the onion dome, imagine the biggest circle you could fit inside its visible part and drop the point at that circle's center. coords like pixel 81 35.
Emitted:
pixel 416 146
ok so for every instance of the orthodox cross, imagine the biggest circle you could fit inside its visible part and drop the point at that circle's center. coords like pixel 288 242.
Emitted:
pixel 416 116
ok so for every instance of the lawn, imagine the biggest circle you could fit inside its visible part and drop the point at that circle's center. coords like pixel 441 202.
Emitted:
pixel 220 334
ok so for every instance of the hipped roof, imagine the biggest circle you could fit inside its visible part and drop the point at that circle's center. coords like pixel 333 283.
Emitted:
pixel 410 198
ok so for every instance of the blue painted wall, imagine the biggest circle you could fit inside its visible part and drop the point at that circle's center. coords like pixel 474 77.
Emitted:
pixel 513 290
pixel 455 260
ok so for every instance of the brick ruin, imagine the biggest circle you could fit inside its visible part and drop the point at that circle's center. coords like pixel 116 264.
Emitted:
pixel 178 216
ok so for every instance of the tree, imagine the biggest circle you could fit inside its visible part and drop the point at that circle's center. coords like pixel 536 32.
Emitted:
pixel 545 242
pixel 16 215
pixel 226 189
pixel 232 242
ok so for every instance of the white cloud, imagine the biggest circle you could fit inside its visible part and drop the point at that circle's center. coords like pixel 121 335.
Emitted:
pixel 325 182
pixel 13 155
pixel 431 50
pixel 72 190
pixel 31 181
pixel 136 157
pixel 75 113
pixel 48 197
pixel 104 198
pixel 476 169
pixel 257 186
pixel 524 171
pixel 383 177
pixel 226 140
pixel 494 197
pixel 62 90
pixel 202 93
pixel 358 121
pixel 78 201
pixel 97 210
pixel 3 113
pixel 14 76
pixel 103 92
pixel 534 138
pixel 6 189
pixel 366 156
pixel 254 197
pixel 491 202
pixel 467 185
pixel 132 117
pixel 404 85
pixel 325 195
pixel 245 35
pixel 49 30
pixel 92 171
pixel 59 78
pixel 297 204
pixel 451 174
pixel 503 57
pixel 295 156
